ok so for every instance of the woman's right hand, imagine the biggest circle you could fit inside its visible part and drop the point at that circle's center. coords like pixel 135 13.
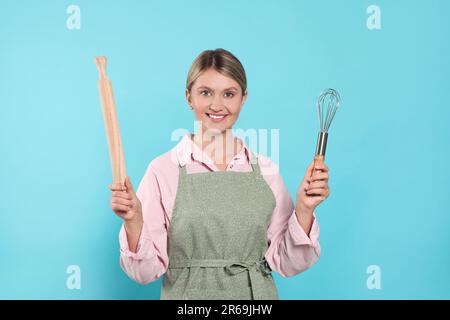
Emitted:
pixel 125 203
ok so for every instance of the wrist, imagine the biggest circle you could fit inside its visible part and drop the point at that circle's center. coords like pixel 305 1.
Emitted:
pixel 305 218
pixel 134 225
pixel 302 210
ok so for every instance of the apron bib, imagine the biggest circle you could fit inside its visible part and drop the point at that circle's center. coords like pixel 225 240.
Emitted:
pixel 217 238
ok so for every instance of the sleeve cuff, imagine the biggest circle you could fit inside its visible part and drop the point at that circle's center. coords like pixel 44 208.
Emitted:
pixel 144 250
pixel 299 235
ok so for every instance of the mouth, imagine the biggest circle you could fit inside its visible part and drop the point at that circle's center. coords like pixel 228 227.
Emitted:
pixel 216 117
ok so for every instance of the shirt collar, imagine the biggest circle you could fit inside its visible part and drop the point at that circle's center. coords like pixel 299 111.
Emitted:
pixel 188 151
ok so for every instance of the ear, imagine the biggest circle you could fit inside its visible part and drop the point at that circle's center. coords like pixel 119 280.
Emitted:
pixel 244 98
pixel 188 99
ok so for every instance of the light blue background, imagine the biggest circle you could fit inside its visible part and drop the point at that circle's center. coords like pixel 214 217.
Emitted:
pixel 387 151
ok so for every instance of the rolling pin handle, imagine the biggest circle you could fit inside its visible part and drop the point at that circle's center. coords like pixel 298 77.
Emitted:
pixel 101 66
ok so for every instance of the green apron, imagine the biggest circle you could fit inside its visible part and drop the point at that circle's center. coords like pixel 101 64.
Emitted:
pixel 217 238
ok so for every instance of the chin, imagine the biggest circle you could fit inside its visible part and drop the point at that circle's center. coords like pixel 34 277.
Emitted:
pixel 215 130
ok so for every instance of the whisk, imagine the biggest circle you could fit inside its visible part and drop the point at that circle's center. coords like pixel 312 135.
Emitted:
pixel 327 105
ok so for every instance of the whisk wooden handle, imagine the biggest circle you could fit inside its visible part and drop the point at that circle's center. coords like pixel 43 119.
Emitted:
pixel 117 158
pixel 318 159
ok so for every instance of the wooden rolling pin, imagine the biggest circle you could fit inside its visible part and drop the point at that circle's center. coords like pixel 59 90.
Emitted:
pixel 111 121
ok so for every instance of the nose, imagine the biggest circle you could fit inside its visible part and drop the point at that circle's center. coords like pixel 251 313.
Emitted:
pixel 215 109
pixel 217 104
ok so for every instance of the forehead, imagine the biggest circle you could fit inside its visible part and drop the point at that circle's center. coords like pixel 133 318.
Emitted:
pixel 215 80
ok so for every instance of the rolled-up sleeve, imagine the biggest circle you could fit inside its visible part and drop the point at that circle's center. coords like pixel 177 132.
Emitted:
pixel 150 260
pixel 291 251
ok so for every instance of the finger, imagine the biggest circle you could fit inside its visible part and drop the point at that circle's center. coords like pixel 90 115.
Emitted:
pixel 319 199
pixel 321 166
pixel 121 201
pixel 129 185
pixel 116 187
pixel 317 191
pixel 318 184
pixel 121 194
pixel 309 170
pixel 308 173
pixel 124 215
pixel 319 176
pixel 311 166
pixel 119 207
pixel 314 193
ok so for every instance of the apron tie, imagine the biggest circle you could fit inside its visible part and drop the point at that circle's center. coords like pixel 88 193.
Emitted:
pixel 257 271
pixel 238 267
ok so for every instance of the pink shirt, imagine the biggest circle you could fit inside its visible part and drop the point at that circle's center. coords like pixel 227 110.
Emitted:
pixel 290 249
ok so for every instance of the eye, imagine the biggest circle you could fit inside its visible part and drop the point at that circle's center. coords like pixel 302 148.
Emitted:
pixel 205 93
pixel 229 94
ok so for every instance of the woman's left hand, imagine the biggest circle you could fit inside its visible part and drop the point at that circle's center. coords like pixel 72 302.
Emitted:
pixel 313 189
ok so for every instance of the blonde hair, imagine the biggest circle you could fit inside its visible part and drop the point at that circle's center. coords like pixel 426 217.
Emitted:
pixel 220 60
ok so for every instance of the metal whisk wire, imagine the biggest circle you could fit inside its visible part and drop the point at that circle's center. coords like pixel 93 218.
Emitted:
pixel 329 98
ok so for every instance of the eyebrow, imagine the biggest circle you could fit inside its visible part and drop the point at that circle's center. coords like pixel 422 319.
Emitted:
pixel 227 89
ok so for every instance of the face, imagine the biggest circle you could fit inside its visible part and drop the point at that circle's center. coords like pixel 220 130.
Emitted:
pixel 216 101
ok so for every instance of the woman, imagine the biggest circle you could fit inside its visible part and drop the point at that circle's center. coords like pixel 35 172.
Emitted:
pixel 211 216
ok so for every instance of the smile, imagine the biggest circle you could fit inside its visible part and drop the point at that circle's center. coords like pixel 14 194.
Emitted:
pixel 216 117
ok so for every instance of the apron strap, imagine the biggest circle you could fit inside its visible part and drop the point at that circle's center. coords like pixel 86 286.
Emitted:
pixel 253 159
pixel 257 270
pixel 182 175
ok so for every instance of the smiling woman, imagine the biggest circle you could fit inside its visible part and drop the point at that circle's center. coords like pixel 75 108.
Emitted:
pixel 216 89
pixel 210 215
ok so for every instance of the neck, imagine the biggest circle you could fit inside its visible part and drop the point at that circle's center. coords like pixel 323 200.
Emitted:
pixel 220 147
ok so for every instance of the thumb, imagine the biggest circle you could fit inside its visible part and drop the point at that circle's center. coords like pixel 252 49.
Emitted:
pixel 309 170
pixel 129 185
